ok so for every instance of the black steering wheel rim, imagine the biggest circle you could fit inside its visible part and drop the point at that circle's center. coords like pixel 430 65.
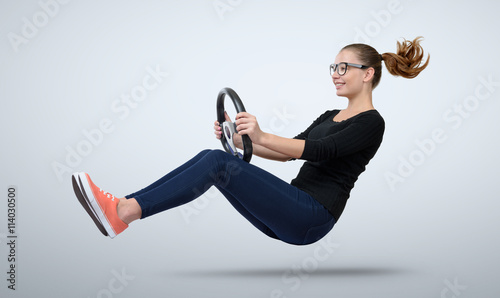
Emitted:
pixel 238 104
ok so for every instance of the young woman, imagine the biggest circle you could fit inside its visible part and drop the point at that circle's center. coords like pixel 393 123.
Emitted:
pixel 336 148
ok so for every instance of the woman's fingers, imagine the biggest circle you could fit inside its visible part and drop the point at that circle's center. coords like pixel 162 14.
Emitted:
pixel 243 115
pixel 246 123
pixel 217 130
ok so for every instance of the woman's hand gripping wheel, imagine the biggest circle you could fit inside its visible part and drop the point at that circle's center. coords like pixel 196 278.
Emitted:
pixel 229 128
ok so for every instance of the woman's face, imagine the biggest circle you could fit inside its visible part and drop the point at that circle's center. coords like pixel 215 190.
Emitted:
pixel 351 83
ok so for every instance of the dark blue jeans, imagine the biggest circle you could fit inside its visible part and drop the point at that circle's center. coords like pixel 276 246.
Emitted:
pixel 273 206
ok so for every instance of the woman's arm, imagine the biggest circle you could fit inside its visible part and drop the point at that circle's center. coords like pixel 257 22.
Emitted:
pixel 264 145
pixel 262 151
pixel 269 145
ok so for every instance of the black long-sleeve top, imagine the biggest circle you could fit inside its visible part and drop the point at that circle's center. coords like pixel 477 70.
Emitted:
pixel 336 153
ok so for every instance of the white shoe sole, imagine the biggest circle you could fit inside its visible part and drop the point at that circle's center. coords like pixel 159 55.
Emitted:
pixel 93 204
pixel 85 203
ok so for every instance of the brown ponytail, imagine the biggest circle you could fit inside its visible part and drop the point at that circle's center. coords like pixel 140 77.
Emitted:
pixel 405 63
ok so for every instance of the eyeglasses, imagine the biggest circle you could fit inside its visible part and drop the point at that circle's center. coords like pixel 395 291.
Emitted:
pixel 341 68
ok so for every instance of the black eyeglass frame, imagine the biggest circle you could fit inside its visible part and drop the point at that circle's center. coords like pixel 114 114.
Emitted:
pixel 334 67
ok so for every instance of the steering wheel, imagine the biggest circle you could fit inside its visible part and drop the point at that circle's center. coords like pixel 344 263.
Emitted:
pixel 229 128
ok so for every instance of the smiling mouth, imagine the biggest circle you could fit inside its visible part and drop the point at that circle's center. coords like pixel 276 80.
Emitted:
pixel 338 85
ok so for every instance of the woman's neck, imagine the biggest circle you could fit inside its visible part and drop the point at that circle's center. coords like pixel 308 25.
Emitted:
pixel 361 102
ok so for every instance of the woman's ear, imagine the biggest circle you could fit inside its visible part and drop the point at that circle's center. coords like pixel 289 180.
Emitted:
pixel 369 74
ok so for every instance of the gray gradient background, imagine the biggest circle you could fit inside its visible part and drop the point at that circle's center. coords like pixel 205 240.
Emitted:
pixel 437 226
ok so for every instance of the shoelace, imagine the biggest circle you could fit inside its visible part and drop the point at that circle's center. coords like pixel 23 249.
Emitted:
pixel 107 194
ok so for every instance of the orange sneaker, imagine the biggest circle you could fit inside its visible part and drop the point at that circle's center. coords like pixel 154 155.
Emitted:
pixel 85 203
pixel 100 205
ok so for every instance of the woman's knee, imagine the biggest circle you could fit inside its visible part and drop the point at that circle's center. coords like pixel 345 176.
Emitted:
pixel 211 153
pixel 217 155
pixel 224 167
pixel 205 152
pixel 217 152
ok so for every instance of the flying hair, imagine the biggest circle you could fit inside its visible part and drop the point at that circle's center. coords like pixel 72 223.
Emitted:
pixel 407 62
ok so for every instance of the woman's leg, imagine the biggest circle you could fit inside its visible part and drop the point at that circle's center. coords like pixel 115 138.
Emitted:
pixel 272 205
pixel 170 175
pixel 129 210
pixel 250 217
pixel 112 215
